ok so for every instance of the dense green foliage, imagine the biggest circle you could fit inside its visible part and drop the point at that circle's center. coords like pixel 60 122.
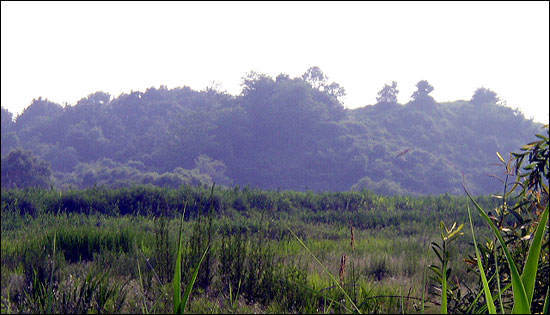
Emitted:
pixel 22 169
pixel 288 133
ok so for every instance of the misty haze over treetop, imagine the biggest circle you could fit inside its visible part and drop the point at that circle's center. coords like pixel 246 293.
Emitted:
pixel 282 132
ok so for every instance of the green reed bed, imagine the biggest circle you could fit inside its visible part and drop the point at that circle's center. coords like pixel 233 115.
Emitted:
pixel 236 250
pixel 264 265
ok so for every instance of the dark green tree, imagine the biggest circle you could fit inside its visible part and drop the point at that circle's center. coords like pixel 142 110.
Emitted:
pixel 483 96
pixel 423 88
pixel 22 169
pixel 9 137
pixel 7 120
pixel 421 96
pixel 213 168
pixel 41 112
pixel 315 77
pixel 39 124
pixel 388 94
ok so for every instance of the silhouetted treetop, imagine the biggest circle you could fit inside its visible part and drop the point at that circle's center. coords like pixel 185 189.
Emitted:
pixel 423 88
pixel 388 94
pixel 483 96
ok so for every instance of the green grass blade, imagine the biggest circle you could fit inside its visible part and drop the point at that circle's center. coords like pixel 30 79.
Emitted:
pixel 423 289
pixel 177 280
pixel 326 270
pixel 177 269
pixel 498 281
pixel 144 307
pixel 189 287
pixel 474 303
pixel 402 310
pixel 546 302
pixel 483 309
pixel 316 292
pixel 50 290
pixel 230 295
pixel 529 274
pixel 444 288
pixel 521 303
pixel 486 290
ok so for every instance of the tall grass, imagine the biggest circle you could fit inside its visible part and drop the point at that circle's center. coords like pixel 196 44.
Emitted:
pixel 181 302
pixel 326 270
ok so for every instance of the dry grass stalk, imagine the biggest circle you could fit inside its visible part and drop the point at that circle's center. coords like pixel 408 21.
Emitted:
pixel 352 236
pixel 343 262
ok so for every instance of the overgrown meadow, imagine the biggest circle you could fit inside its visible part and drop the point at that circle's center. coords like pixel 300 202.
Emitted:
pixel 208 249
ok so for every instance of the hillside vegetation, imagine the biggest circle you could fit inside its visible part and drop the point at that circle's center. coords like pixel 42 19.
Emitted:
pixel 287 133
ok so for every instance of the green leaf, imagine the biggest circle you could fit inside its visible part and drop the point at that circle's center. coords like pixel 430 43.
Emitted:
pixel 521 303
pixel 518 155
pixel 530 269
pixel 144 304
pixel 517 216
pixel 177 271
pixel 444 291
pixel 546 302
pixel 455 232
pixel 474 302
pixel 437 253
pixel 453 236
pixel 189 287
pixel 489 299
pixel 500 158
pixel 498 280
pixel 436 270
pixel 483 309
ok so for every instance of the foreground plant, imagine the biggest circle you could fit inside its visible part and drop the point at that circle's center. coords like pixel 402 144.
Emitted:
pixel 524 285
pixel 40 298
pixel 181 302
pixel 531 198
pixel 443 272
pixel 486 290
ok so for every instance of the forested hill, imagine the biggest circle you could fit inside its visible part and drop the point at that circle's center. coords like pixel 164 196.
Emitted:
pixel 287 133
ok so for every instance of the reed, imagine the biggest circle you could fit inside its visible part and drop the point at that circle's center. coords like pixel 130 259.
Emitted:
pixel 342 272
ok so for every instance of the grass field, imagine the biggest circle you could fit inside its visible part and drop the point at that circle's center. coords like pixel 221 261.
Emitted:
pixel 115 250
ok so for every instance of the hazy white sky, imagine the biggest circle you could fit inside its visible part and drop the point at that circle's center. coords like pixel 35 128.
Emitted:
pixel 64 51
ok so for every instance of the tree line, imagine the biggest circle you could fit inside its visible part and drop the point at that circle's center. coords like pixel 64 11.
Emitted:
pixel 278 133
